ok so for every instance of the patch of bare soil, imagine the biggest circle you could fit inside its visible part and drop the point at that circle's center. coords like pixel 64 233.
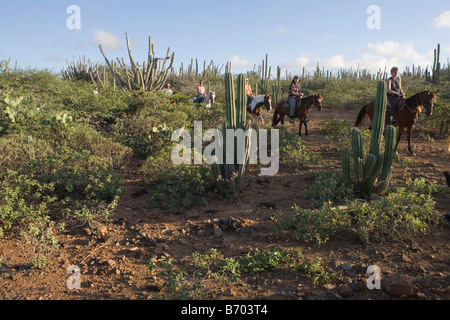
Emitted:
pixel 114 265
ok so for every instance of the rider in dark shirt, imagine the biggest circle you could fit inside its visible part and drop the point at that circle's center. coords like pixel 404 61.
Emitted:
pixel 394 92
pixel 294 96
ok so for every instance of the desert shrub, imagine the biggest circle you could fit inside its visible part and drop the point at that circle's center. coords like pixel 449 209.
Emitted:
pixel 293 151
pixel 403 213
pixel 79 137
pixel 316 225
pixel 328 187
pixel 24 206
pixel 195 281
pixel 16 150
pixel 181 187
pixel 79 175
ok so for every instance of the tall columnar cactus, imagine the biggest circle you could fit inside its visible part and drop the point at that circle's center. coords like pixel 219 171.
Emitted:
pixel 276 95
pixel 436 65
pixel 232 174
pixel 265 75
pixel 376 166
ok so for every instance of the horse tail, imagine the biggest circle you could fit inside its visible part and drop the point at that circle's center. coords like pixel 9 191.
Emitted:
pixel 274 119
pixel 361 115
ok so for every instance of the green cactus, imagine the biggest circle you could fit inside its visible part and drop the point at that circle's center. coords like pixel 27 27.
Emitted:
pixel 346 164
pixel 376 166
pixel 229 176
pixel 436 65
pixel 389 151
pixel 151 76
pixel 378 119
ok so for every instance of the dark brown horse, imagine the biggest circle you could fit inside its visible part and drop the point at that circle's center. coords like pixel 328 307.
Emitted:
pixel 407 114
pixel 282 109
pixel 257 103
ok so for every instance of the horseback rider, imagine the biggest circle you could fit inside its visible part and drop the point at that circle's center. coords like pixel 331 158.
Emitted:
pixel 248 92
pixel 294 96
pixel 394 92
pixel 201 93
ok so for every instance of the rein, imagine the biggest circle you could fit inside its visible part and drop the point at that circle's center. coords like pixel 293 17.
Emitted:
pixel 415 112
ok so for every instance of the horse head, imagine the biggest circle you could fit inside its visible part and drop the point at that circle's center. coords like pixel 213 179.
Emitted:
pixel 317 100
pixel 428 99
pixel 213 96
pixel 268 102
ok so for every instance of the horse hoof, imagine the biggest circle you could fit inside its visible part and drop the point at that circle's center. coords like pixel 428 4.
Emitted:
pixel 412 153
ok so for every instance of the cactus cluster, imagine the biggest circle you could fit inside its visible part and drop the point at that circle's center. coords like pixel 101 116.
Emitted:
pixel 151 76
pixel 265 72
pixel 4 66
pixel 83 69
pixel 208 70
pixel 371 172
pixel 230 176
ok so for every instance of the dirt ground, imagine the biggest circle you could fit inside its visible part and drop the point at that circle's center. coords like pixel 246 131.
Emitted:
pixel 115 265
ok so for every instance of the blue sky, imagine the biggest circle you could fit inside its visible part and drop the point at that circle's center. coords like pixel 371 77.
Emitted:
pixel 294 33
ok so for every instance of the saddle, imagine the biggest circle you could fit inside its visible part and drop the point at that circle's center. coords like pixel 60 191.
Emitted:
pixel 400 105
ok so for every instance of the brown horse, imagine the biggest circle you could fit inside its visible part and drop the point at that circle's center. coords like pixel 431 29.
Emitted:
pixel 301 112
pixel 407 114
pixel 257 103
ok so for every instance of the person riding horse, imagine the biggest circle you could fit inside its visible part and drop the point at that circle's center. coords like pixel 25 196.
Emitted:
pixel 394 93
pixel 294 96
pixel 248 92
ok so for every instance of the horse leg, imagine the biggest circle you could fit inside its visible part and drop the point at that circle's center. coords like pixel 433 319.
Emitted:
pixel 261 118
pixel 400 132
pixel 409 131
pixel 306 128
pixel 300 128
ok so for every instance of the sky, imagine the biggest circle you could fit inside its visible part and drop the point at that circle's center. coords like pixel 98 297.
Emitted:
pixel 294 34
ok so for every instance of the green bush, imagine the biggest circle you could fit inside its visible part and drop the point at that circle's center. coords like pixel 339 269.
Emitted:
pixel 403 213
pixel 181 187
pixel 329 187
pixel 24 205
pixel 316 225
pixel 77 175
pixel 16 150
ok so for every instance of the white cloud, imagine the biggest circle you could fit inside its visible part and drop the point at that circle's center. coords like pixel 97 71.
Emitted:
pixel 237 63
pixel 443 21
pixel 107 40
pixel 372 57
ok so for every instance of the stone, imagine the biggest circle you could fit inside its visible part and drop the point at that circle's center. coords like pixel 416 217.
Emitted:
pixel 406 258
pixel 356 287
pixel 346 266
pixel 329 286
pixel 217 231
pixel 228 292
pixel 345 291
pixel 399 286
